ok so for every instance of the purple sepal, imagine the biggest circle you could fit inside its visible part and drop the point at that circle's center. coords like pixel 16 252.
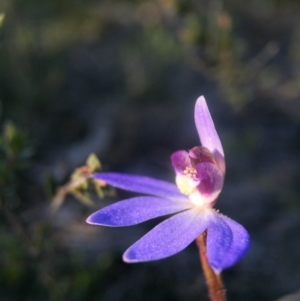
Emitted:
pixel 207 132
pixel 168 238
pixel 135 210
pixel 227 242
pixel 141 184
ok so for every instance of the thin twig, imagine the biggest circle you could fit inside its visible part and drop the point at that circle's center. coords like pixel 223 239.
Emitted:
pixel 19 231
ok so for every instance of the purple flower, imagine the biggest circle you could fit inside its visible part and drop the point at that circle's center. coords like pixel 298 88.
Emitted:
pixel 199 180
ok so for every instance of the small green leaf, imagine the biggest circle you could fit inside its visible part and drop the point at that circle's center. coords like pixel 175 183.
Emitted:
pixel 93 163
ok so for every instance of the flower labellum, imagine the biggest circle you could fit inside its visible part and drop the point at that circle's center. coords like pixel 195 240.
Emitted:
pixel 199 180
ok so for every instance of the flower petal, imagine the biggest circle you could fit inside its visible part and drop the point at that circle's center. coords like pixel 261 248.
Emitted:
pixel 219 239
pixel 180 161
pixel 211 180
pixel 227 242
pixel 140 184
pixel 169 237
pixel 240 241
pixel 207 132
pixel 135 210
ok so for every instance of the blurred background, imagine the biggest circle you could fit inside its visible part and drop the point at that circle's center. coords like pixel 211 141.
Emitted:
pixel 120 79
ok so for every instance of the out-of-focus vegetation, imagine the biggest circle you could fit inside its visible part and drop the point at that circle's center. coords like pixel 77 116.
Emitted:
pixel 33 264
pixel 79 184
pixel 248 50
pixel 37 37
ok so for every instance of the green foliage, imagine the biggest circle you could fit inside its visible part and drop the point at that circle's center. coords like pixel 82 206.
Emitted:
pixel 14 144
pixel 39 34
pixel 31 248
pixel 1 19
pixel 15 151
pixel 205 34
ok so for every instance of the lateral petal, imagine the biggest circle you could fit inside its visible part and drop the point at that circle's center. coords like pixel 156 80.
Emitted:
pixel 169 237
pixel 207 132
pixel 140 184
pixel 135 210
pixel 227 242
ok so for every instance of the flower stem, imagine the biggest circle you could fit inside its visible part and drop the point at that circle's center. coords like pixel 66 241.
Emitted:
pixel 214 281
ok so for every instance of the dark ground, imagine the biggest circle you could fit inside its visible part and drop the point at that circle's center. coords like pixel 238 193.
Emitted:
pixel 120 79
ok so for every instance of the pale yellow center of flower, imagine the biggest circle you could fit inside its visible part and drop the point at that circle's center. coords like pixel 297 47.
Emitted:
pixel 187 182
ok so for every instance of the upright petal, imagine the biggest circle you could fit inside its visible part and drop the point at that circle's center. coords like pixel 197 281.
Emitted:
pixel 135 210
pixel 140 184
pixel 169 237
pixel 207 132
pixel 227 242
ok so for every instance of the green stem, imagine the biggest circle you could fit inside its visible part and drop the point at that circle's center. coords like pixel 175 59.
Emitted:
pixel 214 281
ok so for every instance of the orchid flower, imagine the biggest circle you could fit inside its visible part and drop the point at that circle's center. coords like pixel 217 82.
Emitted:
pixel 199 180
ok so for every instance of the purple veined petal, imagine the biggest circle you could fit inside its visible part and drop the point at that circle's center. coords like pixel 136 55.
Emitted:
pixel 169 237
pixel 180 161
pixel 211 180
pixel 240 241
pixel 207 132
pixel 227 242
pixel 140 184
pixel 135 210
pixel 218 242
